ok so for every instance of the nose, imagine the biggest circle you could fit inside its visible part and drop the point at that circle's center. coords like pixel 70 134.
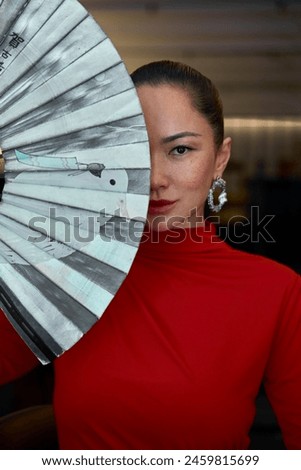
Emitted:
pixel 159 171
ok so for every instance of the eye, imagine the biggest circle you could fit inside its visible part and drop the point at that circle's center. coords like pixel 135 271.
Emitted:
pixel 180 150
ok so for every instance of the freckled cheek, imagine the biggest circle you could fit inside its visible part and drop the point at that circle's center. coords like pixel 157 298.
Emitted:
pixel 201 174
pixel 193 180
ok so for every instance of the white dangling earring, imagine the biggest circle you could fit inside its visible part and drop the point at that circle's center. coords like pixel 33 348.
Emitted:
pixel 222 198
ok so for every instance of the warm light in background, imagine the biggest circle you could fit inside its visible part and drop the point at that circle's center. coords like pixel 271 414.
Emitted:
pixel 263 123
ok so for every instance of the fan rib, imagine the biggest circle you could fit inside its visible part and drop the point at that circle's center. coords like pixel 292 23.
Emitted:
pixel 30 298
pixel 53 28
pixel 27 101
pixel 77 313
pixel 115 108
pixel 129 205
pixel 104 249
pixel 39 341
pixel 90 294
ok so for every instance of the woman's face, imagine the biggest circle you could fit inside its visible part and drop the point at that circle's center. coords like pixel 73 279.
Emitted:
pixel 184 160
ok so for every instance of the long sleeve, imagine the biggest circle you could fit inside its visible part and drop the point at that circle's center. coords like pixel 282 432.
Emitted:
pixel 283 373
pixel 16 359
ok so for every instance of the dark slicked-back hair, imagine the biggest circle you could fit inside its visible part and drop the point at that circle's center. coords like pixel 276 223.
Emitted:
pixel 204 95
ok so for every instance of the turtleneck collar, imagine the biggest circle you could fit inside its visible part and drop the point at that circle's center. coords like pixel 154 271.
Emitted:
pixel 192 239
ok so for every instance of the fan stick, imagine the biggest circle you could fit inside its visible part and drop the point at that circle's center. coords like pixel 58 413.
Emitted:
pixel 115 108
pixel 2 162
pixel 112 252
pixel 48 316
pixel 89 294
pixel 129 205
pixel 76 312
pixel 39 95
pixel 52 21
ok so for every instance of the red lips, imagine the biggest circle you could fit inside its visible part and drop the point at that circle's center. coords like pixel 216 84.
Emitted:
pixel 159 206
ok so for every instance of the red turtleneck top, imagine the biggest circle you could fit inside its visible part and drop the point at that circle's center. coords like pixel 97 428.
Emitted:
pixel 177 359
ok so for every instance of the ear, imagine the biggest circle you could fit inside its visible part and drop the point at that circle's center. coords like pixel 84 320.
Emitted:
pixel 222 157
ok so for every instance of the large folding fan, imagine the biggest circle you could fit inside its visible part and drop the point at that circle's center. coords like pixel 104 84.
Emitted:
pixel 76 172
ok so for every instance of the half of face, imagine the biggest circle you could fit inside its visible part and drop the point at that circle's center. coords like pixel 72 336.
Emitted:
pixel 184 158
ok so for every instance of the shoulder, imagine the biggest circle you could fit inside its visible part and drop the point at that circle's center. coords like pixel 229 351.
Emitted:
pixel 266 270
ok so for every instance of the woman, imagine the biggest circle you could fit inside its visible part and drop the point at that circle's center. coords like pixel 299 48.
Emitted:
pixel 179 355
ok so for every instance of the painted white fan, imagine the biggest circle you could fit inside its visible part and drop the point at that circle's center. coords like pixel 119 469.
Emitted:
pixel 77 167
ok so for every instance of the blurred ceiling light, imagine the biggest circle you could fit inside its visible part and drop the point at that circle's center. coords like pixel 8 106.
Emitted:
pixel 261 122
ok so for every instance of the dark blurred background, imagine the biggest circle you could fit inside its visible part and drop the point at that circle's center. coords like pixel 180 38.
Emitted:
pixel 252 51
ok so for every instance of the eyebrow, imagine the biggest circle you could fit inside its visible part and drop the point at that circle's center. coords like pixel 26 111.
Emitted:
pixel 173 137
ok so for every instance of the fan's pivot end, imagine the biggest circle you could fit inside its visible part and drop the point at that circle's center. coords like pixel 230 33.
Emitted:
pixel 2 162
